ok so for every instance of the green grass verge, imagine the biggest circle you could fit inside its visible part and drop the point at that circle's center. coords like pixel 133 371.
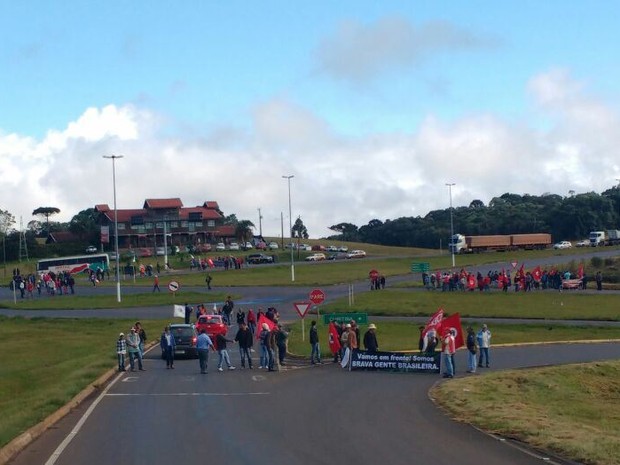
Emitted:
pixel 46 362
pixel 543 305
pixel 573 410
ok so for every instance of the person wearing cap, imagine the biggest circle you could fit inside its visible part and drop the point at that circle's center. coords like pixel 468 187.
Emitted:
pixel 352 336
pixel 484 342
pixel 121 351
pixel 370 339
pixel 448 349
pixel 472 349
pixel 356 329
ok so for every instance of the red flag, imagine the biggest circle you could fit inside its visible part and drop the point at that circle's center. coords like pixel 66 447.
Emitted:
pixel 434 322
pixel 537 274
pixel 580 271
pixel 263 319
pixel 333 338
pixel 471 281
pixel 453 322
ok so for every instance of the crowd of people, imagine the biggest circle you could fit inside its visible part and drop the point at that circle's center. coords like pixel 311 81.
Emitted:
pixel 48 283
pixel 504 280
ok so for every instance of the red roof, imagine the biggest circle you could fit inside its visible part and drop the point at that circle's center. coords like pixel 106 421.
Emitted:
pixel 162 203
pixel 102 208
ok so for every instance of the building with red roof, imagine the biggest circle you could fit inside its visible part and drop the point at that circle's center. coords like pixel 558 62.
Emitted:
pixel 145 227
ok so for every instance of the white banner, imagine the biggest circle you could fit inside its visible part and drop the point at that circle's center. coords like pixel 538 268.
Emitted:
pixel 179 311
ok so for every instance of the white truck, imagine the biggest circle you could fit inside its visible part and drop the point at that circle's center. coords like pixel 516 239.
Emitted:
pixel 609 237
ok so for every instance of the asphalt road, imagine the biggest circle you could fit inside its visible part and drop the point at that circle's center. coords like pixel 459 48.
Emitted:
pixel 311 415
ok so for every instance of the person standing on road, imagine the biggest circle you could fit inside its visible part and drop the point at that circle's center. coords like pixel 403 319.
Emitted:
pixel 271 348
pixel 133 350
pixel 240 316
pixel 156 284
pixel 188 313
pixel 281 340
pixel 121 351
pixel 315 354
pixel 264 346
pixel 471 350
pixel 142 334
pixel 370 339
pixel 167 344
pixel 203 344
pixel 448 351
pixel 220 343
pixel 208 280
pixel 251 321
pixel 484 342
pixel 245 339
pixel 599 281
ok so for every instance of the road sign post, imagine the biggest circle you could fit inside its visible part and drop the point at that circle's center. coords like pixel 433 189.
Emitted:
pixel 302 309
pixel 173 287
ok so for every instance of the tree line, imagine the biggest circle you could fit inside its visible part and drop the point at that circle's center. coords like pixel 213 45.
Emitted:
pixel 565 218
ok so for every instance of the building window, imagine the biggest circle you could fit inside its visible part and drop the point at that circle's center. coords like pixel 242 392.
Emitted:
pixel 184 224
pixel 121 226
pixel 174 224
pixel 198 224
pixel 148 225
pixel 211 224
pixel 159 225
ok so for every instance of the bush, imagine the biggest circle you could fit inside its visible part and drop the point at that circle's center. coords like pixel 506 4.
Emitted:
pixel 596 262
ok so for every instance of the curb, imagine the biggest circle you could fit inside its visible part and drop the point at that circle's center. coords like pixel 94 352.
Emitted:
pixel 20 442
pixel 31 434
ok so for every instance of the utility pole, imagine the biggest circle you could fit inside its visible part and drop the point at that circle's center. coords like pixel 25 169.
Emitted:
pixel 260 223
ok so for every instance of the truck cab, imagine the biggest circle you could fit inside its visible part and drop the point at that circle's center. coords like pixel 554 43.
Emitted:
pixel 597 238
pixel 457 243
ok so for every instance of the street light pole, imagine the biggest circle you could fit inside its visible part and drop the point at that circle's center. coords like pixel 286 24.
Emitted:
pixel 290 222
pixel 118 261
pixel 451 242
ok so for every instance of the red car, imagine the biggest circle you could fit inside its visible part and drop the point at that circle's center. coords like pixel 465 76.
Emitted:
pixel 212 324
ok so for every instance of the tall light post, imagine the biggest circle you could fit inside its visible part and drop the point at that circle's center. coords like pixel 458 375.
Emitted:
pixel 290 222
pixel 450 243
pixel 118 260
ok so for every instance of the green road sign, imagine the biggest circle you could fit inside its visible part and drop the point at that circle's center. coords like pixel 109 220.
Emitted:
pixel 422 267
pixel 360 318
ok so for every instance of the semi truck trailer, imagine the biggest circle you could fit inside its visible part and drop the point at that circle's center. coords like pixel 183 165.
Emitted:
pixel 500 242
pixel 609 237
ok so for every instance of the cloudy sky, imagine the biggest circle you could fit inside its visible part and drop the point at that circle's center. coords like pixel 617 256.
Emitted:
pixel 372 106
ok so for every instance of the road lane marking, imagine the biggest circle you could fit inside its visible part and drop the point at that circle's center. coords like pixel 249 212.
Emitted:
pixel 59 450
pixel 188 394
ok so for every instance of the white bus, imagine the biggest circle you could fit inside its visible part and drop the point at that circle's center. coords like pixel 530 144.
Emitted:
pixel 74 264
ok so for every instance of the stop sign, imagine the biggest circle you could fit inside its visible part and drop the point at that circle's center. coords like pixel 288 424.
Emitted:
pixel 317 296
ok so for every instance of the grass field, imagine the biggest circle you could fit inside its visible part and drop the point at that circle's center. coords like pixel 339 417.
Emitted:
pixel 573 410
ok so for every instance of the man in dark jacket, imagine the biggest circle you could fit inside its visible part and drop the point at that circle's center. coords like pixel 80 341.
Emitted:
pixel 245 340
pixel 315 355
pixel 370 339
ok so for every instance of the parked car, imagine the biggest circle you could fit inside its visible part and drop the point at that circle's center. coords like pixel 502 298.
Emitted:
pixel 247 246
pixel 220 247
pixel 583 243
pixel 261 246
pixel 185 338
pixel 315 257
pixel 331 248
pixel 212 324
pixel 305 248
pixel 338 256
pixel 233 246
pixel 273 246
pixel 356 254
pixel 319 247
pixel 343 248
pixel 91 249
pixel 257 258
pixel 159 251
pixel 562 245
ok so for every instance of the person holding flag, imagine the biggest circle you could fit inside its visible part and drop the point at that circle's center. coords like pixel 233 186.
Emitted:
pixel 334 341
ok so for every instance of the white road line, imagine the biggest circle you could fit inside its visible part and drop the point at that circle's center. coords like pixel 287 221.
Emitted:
pixel 59 450
pixel 186 394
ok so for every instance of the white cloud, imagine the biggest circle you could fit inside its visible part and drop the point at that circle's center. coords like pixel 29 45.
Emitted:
pixel 337 178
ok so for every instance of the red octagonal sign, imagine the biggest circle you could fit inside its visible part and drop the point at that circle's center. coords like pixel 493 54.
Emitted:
pixel 317 296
